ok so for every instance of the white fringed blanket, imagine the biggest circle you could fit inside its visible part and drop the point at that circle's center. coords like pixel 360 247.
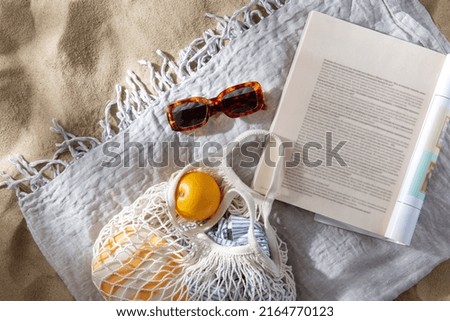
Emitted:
pixel 66 213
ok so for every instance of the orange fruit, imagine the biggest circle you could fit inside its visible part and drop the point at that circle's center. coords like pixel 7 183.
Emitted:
pixel 197 196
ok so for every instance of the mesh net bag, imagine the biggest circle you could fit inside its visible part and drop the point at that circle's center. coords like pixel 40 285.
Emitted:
pixel 219 270
pixel 254 270
pixel 148 252
pixel 139 255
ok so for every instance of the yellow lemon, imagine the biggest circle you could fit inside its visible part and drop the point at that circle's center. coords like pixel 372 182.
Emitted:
pixel 197 196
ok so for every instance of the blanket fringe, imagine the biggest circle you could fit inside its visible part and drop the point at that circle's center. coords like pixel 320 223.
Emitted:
pixel 132 101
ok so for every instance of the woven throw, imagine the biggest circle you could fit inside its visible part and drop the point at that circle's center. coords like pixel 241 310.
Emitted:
pixel 66 203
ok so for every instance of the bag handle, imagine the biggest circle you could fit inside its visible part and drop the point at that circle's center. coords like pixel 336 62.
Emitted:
pixel 228 195
pixel 277 175
pixel 240 189
pixel 273 263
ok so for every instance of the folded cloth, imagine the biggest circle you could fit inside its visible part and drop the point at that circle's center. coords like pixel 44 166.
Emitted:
pixel 233 231
pixel 66 214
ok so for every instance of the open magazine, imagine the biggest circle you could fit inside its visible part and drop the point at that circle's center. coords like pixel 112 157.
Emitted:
pixel 366 113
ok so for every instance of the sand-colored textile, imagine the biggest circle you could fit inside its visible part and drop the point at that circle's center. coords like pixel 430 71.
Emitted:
pixel 65 58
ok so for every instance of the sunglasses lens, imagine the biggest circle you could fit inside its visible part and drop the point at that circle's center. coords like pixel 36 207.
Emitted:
pixel 240 101
pixel 189 114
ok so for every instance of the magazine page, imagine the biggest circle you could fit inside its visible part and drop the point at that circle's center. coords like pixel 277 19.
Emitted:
pixel 354 104
pixel 412 194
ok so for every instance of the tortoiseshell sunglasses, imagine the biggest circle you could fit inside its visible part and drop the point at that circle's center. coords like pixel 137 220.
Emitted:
pixel 237 101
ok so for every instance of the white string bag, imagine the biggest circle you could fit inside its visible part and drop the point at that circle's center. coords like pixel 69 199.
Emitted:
pixel 139 255
pixel 217 272
pixel 147 252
